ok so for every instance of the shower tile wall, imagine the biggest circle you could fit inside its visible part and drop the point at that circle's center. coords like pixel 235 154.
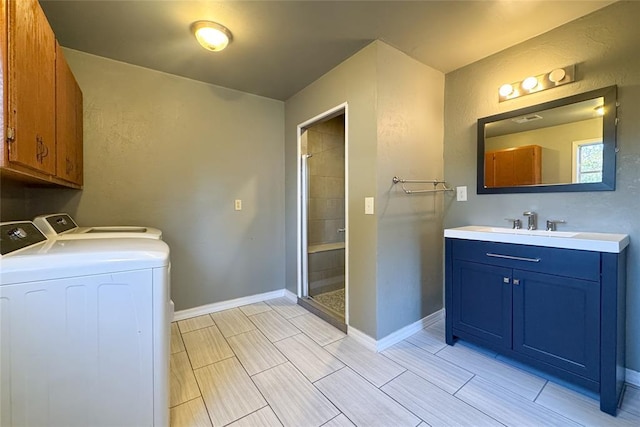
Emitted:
pixel 325 141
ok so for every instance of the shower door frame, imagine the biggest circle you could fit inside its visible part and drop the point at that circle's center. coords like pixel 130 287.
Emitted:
pixel 342 109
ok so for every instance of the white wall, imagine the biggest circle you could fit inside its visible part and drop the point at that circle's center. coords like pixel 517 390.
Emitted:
pixel 605 47
pixel 173 153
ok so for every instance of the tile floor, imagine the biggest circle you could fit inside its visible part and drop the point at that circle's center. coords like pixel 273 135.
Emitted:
pixel 273 363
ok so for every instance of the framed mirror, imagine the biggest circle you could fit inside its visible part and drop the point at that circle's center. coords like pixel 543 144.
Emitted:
pixel 568 144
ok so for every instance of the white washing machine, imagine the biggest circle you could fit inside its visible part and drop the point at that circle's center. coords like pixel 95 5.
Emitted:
pixel 62 226
pixel 84 330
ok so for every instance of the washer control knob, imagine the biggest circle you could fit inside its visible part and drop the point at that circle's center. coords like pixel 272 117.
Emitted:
pixel 17 233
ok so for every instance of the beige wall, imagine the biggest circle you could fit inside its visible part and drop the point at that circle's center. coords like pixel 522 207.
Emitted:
pixel 394 126
pixel 605 47
pixel 173 153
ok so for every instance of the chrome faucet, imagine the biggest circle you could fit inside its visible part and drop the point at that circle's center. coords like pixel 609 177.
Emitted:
pixel 532 224
pixel 516 224
pixel 551 224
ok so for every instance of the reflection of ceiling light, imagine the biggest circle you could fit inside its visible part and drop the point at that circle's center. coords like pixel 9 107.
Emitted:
pixel 506 90
pixel 211 35
pixel 526 119
pixel 529 83
pixel 599 110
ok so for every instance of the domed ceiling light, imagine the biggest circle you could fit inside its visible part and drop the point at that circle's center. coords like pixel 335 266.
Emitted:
pixel 211 35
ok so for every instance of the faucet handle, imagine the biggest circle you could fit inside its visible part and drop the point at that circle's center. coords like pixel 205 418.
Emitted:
pixel 551 223
pixel 516 223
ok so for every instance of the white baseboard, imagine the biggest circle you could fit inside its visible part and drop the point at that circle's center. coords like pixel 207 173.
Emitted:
pixel 290 295
pixel 632 377
pixel 396 336
pixel 408 330
pixel 362 338
pixel 225 305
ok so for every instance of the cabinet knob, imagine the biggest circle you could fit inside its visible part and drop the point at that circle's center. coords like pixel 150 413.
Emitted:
pixel 505 280
pixel 516 281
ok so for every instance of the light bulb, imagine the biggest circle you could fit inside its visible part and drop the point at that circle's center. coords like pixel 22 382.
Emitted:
pixel 211 35
pixel 506 90
pixel 529 83
pixel 557 75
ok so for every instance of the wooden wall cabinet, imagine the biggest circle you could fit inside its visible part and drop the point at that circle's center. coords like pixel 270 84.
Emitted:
pixel 68 122
pixel 42 103
pixel 513 166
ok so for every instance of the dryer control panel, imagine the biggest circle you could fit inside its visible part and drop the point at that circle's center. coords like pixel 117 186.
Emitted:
pixel 53 225
pixel 18 235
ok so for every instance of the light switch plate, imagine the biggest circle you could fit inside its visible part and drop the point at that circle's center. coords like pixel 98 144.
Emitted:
pixel 461 194
pixel 368 206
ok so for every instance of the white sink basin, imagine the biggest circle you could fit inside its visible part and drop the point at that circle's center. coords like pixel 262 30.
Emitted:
pixel 599 242
pixel 530 232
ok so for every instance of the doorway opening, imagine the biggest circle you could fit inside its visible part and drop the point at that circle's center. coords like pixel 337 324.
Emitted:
pixel 323 236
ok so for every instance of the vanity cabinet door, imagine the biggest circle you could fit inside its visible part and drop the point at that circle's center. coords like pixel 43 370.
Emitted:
pixel 482 301
pixel 557 320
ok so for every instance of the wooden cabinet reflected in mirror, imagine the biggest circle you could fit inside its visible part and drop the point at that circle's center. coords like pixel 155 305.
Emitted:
pixel 513 166
pixel 563 145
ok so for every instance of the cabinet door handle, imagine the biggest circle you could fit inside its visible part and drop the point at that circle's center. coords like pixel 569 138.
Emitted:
pixel 69 166
pixel 505 280
pixel 517 258
pixel 42 150
pixel 516 281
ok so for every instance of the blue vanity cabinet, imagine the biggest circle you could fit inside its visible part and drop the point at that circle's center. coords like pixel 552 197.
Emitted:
pixel 558 310
pixel 556 320
pixel 481 300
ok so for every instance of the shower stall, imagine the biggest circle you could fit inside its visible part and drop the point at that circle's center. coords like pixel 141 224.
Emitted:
pixel 322 146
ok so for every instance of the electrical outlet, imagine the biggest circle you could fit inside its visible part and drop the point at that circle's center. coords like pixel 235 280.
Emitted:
pixel 368 206
pixel 238 204
pixel 461 194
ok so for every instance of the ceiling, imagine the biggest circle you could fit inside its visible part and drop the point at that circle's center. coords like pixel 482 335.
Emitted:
pixel 279 47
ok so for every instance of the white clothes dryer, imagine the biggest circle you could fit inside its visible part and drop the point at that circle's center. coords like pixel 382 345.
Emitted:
pixel 84 330
pixel 62 226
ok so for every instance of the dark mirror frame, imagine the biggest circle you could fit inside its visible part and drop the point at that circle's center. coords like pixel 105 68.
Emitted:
pixel 608 139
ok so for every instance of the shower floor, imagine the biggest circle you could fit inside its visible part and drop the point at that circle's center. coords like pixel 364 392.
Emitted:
pixel 333 300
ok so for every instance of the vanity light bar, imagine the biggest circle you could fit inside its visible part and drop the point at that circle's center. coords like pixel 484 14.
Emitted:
pixel 533 84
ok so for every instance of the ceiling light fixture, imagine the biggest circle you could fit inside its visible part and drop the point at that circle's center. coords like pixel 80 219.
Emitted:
pixel 533 84
pixel 211 35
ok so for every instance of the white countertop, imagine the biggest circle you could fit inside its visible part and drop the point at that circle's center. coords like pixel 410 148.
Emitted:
pixel 586 241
